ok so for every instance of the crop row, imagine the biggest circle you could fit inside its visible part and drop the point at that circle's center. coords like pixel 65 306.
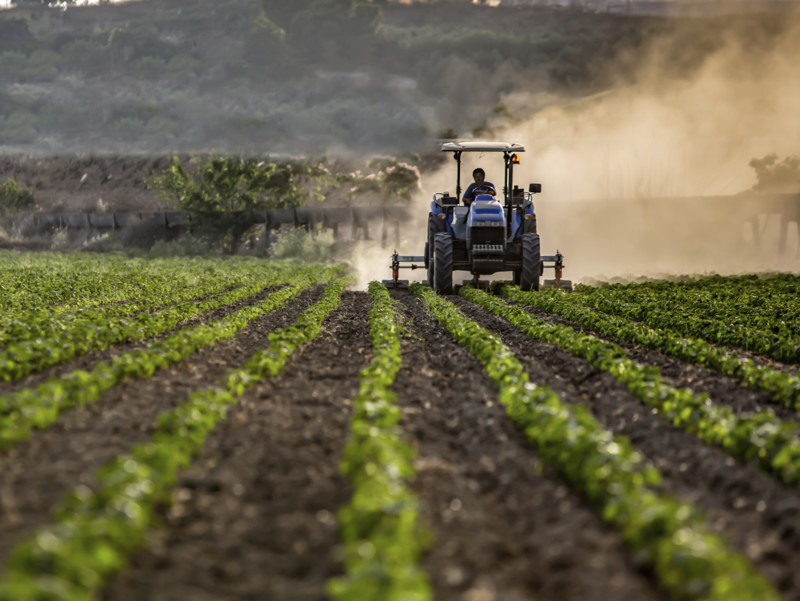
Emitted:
pixel 662 533
pixel 724 286
pixel 96 530
pixel 380 527
pixel 56 283
pixel 33 323
pixel 760 437
pixel 25 357
pixel 22 411
pixel 61 281
pixel 752 318
pixel 153 293
pixel 783 386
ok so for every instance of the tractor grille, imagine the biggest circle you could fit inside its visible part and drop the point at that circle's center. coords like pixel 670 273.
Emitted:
pixel 487 249
pixel 485 265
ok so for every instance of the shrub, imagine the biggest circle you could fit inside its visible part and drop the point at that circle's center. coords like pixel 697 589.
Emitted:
pixel 15 197
pixel 302 245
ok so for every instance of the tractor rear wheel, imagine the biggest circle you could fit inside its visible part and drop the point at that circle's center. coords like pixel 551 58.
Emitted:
pixel 435 226
pixel 531 262
pixel 443 263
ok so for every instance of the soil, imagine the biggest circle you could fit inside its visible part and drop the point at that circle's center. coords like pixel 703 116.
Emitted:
pixel 255 516
pixel 38 472
pixel 758 515
pixel 505 526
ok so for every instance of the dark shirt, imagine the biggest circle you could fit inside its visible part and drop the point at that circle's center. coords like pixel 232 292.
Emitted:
pixel 473 190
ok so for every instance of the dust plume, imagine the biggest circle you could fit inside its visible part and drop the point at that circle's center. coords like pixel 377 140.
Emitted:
pixel 687 136
pixel 687 127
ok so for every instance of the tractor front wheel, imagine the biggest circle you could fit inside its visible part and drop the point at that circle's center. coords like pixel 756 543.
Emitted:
pixel 531 262
pixel 443 263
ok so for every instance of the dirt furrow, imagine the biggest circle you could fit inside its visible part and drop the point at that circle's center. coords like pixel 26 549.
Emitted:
pixel 505 525
pixel 255 516
pixel 88 360
pixel 759 516
pixel 722 389
pixel 37 472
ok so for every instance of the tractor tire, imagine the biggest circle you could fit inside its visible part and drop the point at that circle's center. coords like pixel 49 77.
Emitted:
pixel 531 262
pixel 443 263
pixel 529 225
pixel 435 226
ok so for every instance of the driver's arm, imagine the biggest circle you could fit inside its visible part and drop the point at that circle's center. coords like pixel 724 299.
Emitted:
pixel 469 195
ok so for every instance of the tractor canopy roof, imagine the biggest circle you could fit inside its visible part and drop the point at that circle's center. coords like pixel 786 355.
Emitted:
pixel 482 146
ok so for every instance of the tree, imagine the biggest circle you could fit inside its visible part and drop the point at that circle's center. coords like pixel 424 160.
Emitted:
pixel 776 176
pixel 222 194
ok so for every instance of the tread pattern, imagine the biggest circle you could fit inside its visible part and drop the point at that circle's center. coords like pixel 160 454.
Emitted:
pixel 531 262
pixel 443 264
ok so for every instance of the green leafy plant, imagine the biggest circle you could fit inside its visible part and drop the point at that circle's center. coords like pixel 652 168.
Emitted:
pixel 40 407
pixel 96 530
pixel 662 533
pixel 782 385
pixel 760 438
pixel 747 312
pixel 15 197
pixel 383 515
pixel 27 356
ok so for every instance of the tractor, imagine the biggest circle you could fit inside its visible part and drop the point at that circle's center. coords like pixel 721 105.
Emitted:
pixel 484 237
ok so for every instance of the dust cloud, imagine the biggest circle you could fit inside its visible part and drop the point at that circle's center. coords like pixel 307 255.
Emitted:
pixel 689 136
pixel 621 171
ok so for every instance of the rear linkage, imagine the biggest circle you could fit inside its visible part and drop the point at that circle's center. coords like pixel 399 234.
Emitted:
pixel 555 262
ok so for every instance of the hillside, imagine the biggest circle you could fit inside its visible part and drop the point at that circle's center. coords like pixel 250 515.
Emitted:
pixel 181 75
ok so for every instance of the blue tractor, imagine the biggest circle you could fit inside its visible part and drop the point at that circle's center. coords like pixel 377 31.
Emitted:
pixel 484 237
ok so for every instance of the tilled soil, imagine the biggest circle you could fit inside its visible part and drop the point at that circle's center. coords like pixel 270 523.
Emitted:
pixel 722 390
pixel 255 516
pixel 256 513
pixel 758 515
pixel 37 472
pixel 505 525
pixel 88 360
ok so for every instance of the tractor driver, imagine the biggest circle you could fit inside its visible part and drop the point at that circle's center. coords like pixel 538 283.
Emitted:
pixel 480 186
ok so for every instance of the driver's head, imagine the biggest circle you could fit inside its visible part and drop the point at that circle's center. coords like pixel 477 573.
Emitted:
pixel 479 175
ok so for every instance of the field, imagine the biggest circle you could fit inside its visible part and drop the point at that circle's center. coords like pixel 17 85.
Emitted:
pixel 235 429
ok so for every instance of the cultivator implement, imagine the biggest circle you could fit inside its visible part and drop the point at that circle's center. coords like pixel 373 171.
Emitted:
pixel 555 262
pixel 396 266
